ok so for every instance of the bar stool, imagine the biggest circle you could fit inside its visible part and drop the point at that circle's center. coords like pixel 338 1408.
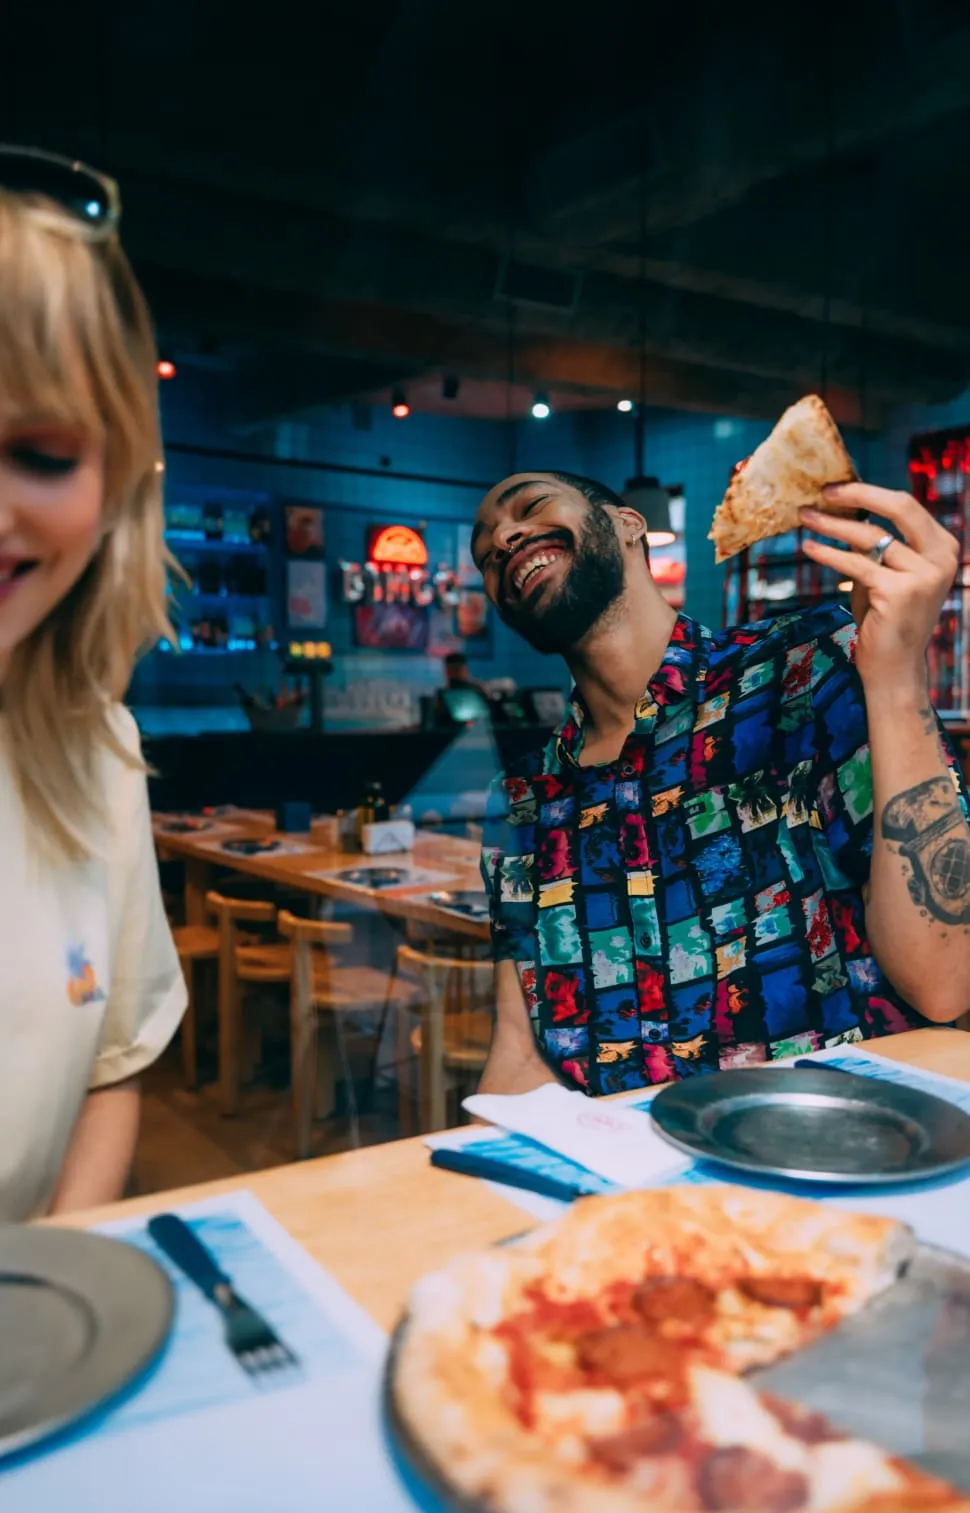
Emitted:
pixel 324 995
pixel 456 1013
pixel 194 944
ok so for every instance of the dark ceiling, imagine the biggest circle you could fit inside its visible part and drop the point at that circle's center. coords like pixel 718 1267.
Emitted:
pixel 330 200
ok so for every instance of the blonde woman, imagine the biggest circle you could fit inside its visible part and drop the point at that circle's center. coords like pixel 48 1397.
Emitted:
pixel 90 988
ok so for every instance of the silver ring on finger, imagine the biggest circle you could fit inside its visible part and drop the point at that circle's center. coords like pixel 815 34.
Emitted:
pixel 877 552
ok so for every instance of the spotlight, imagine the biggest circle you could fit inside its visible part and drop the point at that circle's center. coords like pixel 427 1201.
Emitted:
pixel 846 586
pixel 624 406
pixel 541 408
pixel 450 386
pixel 400 408
pixel 165 368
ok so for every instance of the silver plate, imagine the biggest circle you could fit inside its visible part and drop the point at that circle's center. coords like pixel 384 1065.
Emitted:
pixel 474 905
pixel 81 1316
pixel 813 1125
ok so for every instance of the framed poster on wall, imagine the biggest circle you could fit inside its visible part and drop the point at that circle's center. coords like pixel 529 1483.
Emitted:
pixel 306 595
pixel 391 627
pixel 304 531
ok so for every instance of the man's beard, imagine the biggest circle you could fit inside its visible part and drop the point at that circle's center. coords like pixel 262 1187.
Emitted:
pixel 594 581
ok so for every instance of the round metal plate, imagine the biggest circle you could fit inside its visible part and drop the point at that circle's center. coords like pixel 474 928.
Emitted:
pixel 475 905
pixel 813 1125
pixel 81 1316
pixel 433 1488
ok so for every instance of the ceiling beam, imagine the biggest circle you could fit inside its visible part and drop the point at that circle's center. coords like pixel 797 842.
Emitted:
pixel 689 157
pixel 398 343
pixel 281 384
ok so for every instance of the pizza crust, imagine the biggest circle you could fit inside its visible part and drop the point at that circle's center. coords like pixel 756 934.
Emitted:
pixel 452 1381
pixel 786 474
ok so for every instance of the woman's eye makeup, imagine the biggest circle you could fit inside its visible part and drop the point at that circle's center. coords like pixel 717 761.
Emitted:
pixel 45 459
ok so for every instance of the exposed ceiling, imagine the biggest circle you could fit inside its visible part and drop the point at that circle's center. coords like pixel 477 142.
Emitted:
pixel 352 197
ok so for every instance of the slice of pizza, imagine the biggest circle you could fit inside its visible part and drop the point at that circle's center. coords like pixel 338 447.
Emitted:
pixel 787 473
pixel 596 1365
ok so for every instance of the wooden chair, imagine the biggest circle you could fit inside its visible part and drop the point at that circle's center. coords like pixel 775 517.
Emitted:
pixel 194 944
pixel 243 962
pixel 325 995
pixel 456 1011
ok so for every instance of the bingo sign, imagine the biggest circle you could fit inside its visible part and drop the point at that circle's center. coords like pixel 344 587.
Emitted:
pixel 397 572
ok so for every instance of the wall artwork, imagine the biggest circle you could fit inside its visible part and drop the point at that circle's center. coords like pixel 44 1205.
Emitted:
pixel 304 531
pixel 391 627
pixel 306 595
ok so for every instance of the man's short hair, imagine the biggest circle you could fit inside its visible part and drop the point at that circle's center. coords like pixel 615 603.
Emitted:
pixel 456 659
pixel 599 494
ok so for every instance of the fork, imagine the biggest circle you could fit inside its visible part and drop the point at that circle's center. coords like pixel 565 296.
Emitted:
pixel 257 1349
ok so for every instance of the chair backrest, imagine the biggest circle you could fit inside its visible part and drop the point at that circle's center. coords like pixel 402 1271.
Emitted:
pixel 252 910
pixel 313 932
pixel 460 994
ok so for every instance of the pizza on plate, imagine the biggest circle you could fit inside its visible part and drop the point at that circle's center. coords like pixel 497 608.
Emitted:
pixel 787 473
pixel 596 1367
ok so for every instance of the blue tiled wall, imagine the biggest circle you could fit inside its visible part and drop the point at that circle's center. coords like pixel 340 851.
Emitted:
pixel 696 451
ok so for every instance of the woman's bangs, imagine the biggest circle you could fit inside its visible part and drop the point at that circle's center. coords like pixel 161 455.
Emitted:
pixel 43 372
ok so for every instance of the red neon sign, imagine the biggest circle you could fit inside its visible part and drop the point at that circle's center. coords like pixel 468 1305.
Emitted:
pixel 397 545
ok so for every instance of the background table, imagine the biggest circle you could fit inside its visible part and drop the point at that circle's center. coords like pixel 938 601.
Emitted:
pixel 379 1218
pixel 439 853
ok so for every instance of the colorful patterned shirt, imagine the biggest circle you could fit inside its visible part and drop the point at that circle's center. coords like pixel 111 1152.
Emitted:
pixel 697 903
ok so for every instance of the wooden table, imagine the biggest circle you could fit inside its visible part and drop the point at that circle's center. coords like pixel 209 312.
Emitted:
pixel 379 1218
pixel 458 858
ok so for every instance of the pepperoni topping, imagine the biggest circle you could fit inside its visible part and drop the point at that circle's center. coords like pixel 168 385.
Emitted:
pixel 796 1293
pixel 620 1452
pixel 629 1353
pixel 680 1298
pixel 736 1476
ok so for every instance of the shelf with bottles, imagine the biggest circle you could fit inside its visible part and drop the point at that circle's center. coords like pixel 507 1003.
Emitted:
pixel 939 474
pixel 234 646
pixel 188 541
pixel 219 521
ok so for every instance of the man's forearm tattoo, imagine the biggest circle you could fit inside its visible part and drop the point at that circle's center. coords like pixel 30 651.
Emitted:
pixel 927 824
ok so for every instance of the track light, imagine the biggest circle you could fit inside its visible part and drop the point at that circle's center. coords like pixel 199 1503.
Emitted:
pixel 541 408
pixel 400 408
pixel 450 386
pixel 165 368
pixel 624 406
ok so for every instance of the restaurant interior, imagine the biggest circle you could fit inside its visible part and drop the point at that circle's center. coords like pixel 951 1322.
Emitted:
pixel 394 253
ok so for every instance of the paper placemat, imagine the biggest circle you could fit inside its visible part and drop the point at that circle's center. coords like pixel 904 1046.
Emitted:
pixel 938 1209
pixel 198 1434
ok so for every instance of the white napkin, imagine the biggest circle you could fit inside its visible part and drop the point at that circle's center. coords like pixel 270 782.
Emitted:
pixel 616 1142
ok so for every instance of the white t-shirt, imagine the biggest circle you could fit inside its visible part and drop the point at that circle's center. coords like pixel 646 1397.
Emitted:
pixel 90 986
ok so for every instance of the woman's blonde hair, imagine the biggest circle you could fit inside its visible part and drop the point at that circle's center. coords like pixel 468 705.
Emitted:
pixel 76 344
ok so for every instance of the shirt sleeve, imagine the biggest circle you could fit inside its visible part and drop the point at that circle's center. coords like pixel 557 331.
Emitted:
pixel 147 994
pixel 506 873
pixel 844 800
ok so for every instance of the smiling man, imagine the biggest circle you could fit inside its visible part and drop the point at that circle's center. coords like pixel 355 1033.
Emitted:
pixel 740 846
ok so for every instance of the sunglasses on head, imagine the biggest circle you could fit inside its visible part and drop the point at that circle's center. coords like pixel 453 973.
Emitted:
pixel 87 196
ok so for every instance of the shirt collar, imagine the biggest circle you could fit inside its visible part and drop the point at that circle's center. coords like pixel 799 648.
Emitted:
pixel 679 678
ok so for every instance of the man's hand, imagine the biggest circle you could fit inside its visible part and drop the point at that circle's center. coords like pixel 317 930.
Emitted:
pixel 896 602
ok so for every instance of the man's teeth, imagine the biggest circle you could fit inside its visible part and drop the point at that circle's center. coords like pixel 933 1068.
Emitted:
pixel 541 559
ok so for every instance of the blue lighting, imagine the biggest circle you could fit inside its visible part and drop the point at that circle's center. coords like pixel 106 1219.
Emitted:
pixel 93 209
